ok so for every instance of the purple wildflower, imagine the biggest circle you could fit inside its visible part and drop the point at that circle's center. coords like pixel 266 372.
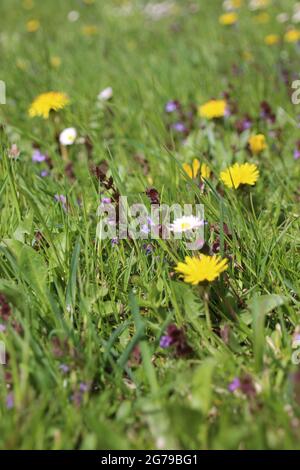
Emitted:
pixel 234 385
pixel 9 401
pixel 145 229
pixel 64 368
pixel 60 198
pixel 79 393
pixel 179 127
pixel 165 341
pixel 106 200
pixel 2 328
pixel 243 124
pixel 148 248
pixel 83 387
pixel 44 173
pixel 171 106
pixel 266 112
pixel 297 150
pixel 176 337
pixel 38 157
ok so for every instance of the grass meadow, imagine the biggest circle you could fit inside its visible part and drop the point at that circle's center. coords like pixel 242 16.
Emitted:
pixel 143 343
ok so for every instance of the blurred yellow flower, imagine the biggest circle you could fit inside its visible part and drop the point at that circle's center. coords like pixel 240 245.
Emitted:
pixel 213 109
pixel 28 4
pixel 32 26
pixel 201 269
pixel 55 61
pixel 248 56
pixel 293 35
pixel 257 143
pixel 235 3
pixel 228 19
pixel 46 102
pixel 192 171
pixel 272 39
pixel 239 174
pixel 22 64
pixel 89 30
pixel 262 18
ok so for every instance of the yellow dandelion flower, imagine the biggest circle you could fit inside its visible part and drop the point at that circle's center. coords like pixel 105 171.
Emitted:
pixel 293 35
pixel 232 4
pixel 22 64
pixel 205 171
pixel 262 18
pixel 55 61
pixel 248 56
pixel 192 171
pixel 32 26
pixel 228 19
pixel 201 269
pixel 271 39
pixel 239 174
pixel 236 3
pixel 213 109
pixel 257 143
pixel 46 102
pixel 27 4
pixel 89 30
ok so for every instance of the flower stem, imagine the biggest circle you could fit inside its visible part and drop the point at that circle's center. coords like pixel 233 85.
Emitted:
pixel 206 309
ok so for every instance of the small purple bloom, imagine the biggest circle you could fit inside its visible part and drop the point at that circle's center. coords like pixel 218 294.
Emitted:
pixel 296 154
pixel 106 200
pixel 297 150
pixel 234 385
pixel 64 368
pixel 243 124
pixel 38 157
pixel 114 241
pixel 179 127
pixel 266 112
pixel 83 387
pixel 148 248
pixel 60 198
pixel 9 401
pixel 145 229
pixel 2 328
pixel 171 106
pixel 176 337
pixel 227 112
pixel 44 173
pixel 165 341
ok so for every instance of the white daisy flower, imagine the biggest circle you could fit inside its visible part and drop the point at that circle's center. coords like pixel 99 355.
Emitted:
pixel 296 17
pixel 105 94
pixel 186 223
pixel 282 17
pixel 73 16
pixel 68 136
